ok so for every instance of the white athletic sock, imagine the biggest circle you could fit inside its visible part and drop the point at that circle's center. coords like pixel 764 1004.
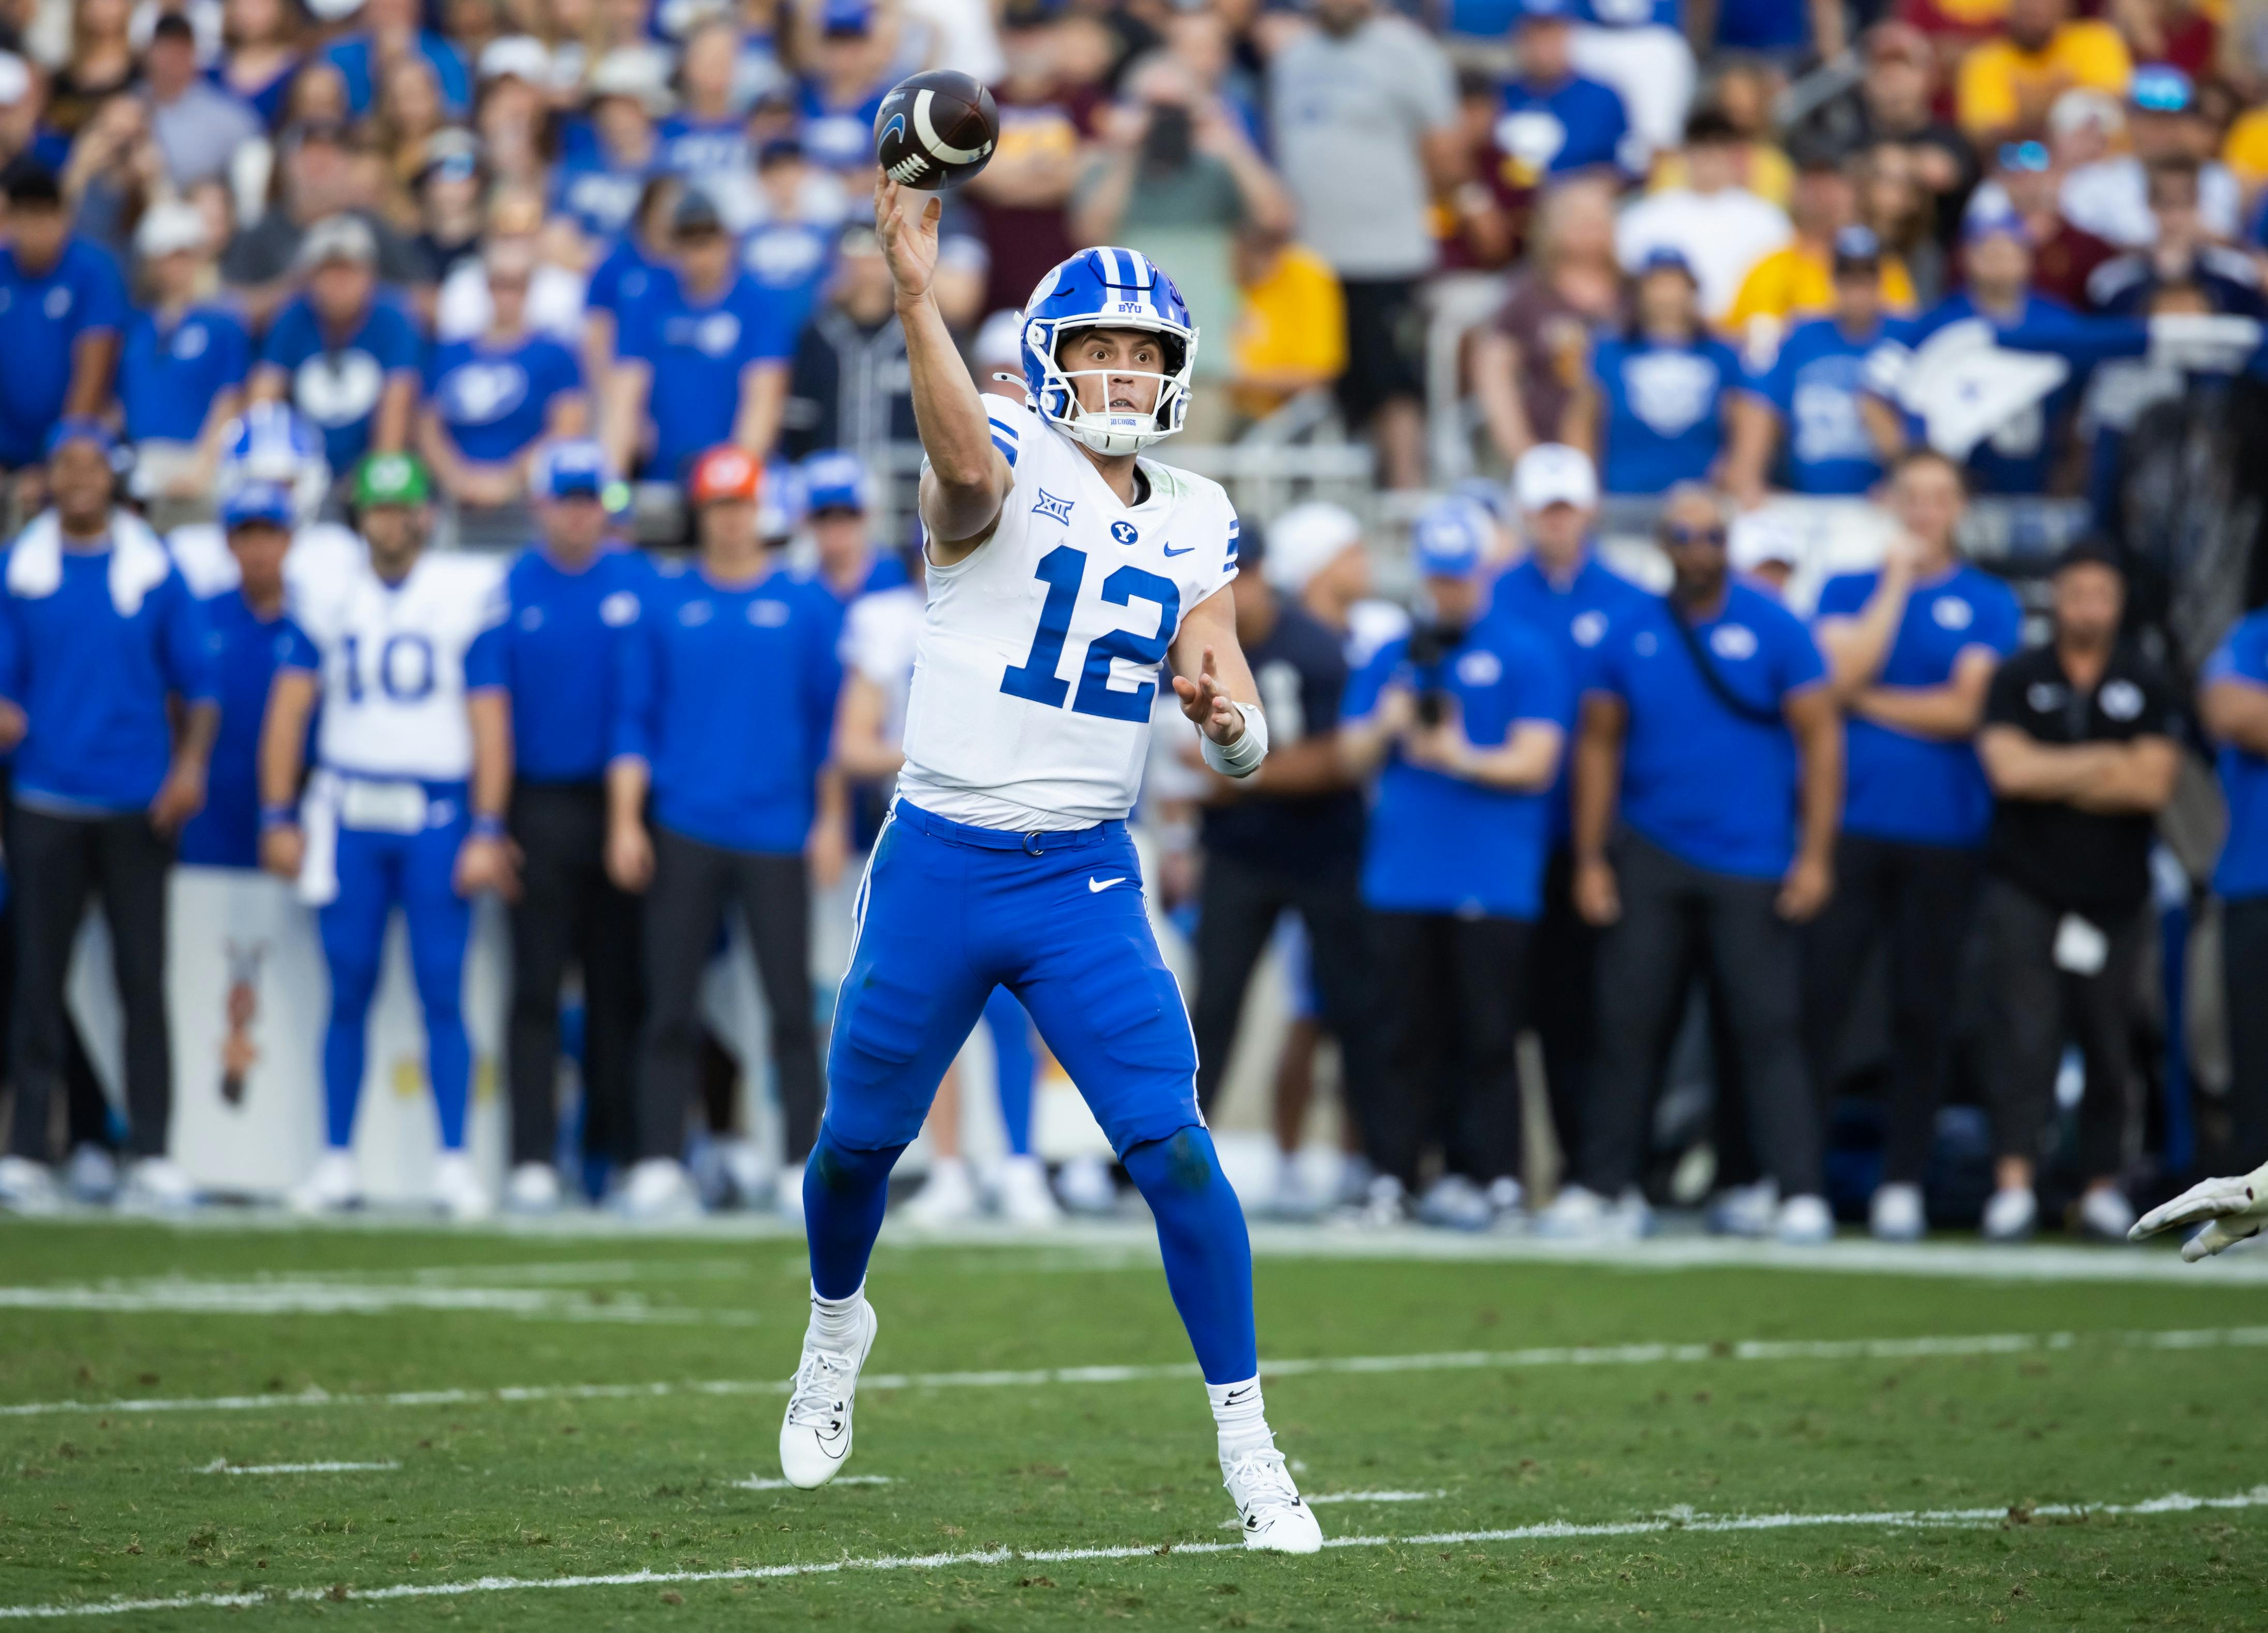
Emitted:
pixel 1242 1422
pixel 834 1321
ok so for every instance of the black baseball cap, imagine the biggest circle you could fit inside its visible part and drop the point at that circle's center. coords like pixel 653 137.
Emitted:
pixel 695 213
pixel 27 181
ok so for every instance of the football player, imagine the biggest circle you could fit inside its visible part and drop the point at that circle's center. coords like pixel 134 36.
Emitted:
pixel 2231 1210
pixel 1064 572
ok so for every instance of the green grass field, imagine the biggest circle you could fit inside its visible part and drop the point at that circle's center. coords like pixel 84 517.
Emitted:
pixel 139 1365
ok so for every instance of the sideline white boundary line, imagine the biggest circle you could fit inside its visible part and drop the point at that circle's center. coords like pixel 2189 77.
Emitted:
pixel 1459 1360
pixel 222 1466
pixel 1550 1530
pixel 186 1295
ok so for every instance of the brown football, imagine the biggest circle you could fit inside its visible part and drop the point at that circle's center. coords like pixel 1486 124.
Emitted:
pixel 935 130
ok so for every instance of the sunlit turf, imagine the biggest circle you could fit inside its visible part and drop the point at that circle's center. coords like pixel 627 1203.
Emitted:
pixel 110 1504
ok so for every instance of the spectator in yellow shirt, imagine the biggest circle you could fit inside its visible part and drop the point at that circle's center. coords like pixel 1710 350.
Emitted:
pixel 1291 335
pixel 1797 281
pixel 2007 85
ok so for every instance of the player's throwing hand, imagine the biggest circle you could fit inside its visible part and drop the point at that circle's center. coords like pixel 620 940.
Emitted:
pixel 1206 702
pixel 2231 1210
pixel 910 247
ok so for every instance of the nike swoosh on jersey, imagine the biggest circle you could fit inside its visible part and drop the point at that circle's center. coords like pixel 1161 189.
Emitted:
pixel 1096 887
pixel 1184 550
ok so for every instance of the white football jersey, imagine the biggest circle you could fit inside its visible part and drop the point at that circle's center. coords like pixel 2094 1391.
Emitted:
pixel 394 662
pixel 1040 652
pixel 881 632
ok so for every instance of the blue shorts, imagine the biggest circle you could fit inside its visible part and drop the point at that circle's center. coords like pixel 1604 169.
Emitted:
pixel 946 912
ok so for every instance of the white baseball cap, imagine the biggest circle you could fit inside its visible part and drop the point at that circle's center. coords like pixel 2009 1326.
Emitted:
pixel 1304 540
pixel 1552 473
pixel 170 227
pixel 516 56
pixel 1759 537
pixel 15 80
pixel 999 343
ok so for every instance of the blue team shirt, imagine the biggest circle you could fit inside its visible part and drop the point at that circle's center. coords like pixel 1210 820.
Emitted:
pixel 43 318
pixel 562 640
pixel 789 259
pixel 840 135
pixel 697 351
pixel 1575 620
pixel 623 277
pixel 246 651
pixel 1663 416
pixel 1918 790
pixel 1573 125
pixel 1815 384
pixel 2244 868
pixel 1439 843
pixel 1633 13
pixel 495 401
pixel 356 63
pixel 1708 786
pixel 93 684
pixel 728 696
pixel 167 378
pixel 267 101
pixel 598 193
pixel 703 151
pixel 337 385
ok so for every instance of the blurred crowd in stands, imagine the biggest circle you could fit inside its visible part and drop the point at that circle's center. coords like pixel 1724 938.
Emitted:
pixel 1795 718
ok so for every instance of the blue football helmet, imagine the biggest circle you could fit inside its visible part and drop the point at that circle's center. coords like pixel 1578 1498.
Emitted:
pixel 269 442
pixel 1107 288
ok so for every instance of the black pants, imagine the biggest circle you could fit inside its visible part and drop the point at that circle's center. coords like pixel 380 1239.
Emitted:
pixel 692 882
pixel 1454 989
pixel 2244 982
pixel 1921 900
pixel 1238 910
pixel 1563 987
pixel 58 861
pixel 570 910
pixel 2035 1006
pixel 1676 918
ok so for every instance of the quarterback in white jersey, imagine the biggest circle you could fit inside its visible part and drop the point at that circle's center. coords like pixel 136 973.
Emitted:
pixel 406 803
pixel 1065 573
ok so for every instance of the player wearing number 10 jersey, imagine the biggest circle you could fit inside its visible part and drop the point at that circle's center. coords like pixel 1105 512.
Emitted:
pixel 1063 571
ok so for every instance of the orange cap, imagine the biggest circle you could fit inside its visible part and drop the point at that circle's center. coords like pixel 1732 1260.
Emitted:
pixel 725 472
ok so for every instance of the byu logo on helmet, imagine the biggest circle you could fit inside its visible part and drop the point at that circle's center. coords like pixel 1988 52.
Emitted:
pixel 1108 289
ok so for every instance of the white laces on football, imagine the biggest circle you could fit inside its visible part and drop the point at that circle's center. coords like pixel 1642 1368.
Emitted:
pixel 821 1390
pixel 1260 1480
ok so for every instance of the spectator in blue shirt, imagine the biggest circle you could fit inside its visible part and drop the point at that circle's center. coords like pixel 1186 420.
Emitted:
pixel 629 270
pixel 249 636
pixel 1710 740
pixel 2234 703
pixel 703 356
pixel 1811 399
pixel 1567 594
pixel 357 57
pixel 1463 720
pixel 598 184
pixel 63 306
pixel 180 377
pixel 572 600
pixel 490 399
pixel 842 96
pixel 704 144
pixel 1654 407
pixel 1554 119
pixel 791 250
pixel 343 353
pixel 723 714
pixel 1911 650
pixel 99 639
pixel 837 498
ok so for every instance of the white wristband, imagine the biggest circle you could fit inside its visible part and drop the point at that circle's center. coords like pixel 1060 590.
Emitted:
pixel 1242 757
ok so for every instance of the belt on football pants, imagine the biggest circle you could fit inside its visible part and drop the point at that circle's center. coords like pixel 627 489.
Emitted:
pixel 1035 844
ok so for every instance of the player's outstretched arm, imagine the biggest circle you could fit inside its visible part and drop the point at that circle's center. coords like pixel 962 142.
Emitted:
pixel 1215 688
pixel 967 480
pixel 2231 1210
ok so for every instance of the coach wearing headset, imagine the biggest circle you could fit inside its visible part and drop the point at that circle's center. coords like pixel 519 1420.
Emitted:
pixel 98 633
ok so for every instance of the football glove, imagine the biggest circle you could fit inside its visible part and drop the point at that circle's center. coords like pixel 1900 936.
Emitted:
pixel 2231 1210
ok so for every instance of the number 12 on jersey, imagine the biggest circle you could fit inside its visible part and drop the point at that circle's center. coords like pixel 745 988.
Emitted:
pixel 1063 570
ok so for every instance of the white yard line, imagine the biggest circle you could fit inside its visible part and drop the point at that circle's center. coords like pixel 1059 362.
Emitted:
pixel 1457 1360
pixel 189 1295
pixel 1371 1496
pixel 222 1466
pixel 1548 1531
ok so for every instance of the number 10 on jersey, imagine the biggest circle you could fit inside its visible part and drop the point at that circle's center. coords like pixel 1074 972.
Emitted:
pixel 1063 570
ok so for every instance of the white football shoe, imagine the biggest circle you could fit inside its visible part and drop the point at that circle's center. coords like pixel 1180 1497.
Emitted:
pixel 1022 1191
pixel 458 1191
pixel 1577 1214
pixel 334 1185
pixel 91 1174
pixel 659 1188
pixel 27 1186
pixel 1454 1203
pixel 156 1184
pixel 1897 1214
pixel 1804 1222
pixel 1086 1186
pixel 532 1188
pixel 2012 1215
pixel 815 1433
pixel 1276 1519
pixel 1750 1210
pixel 2105 1214
pixel 948 1196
